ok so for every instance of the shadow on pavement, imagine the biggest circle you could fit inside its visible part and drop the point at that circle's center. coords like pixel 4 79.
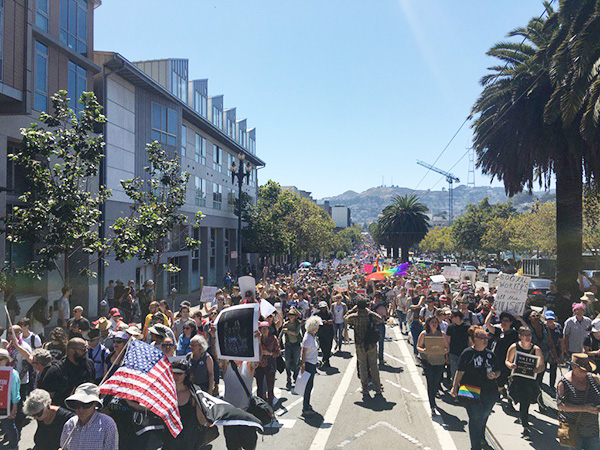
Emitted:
pixel 390 369
pixel 329 370
pixel 316 420
pixel 452 423
pixel 343 354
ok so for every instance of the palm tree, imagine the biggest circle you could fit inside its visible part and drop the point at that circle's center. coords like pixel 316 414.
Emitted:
pixel 403 224
pixel 516 142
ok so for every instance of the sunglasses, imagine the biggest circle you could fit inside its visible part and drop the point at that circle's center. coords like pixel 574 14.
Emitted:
pixel 187 328
pixel 167 345
pixel 80 405
pixel 38 415
pixel 119 341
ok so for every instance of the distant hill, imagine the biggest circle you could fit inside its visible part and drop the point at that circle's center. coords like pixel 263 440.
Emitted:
pixel 367 205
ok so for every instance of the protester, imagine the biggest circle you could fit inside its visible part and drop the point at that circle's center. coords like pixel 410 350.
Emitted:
pixel 9 428
pixel 109 294
pixel 434 363
pixel 576 330
pixel 63 307
pixel 591 344
pixel 291 334
pixel 478 369
pixel 77 324
pixel 71 371
pixel 310 358
pixel 555 346
pixel 97 353
pixel 57 346
pixel 146 297
pixel 503 336
pixel 364 322
pixel 168 347
pixel 524 391
pixel 89 429
pixel 189 330
pixel 40 361
pixel 578 397
pixel 200 365
pixel 458 339
pixel 267 366
pixel 182 320
pixel 40 315
pixel 50 419
pixel 325 334
pixel 338 311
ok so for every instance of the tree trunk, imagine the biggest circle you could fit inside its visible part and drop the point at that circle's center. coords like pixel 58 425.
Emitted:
pixel 569 223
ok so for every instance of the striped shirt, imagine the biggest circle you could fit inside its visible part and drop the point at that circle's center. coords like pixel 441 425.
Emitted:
pixel 100 433
pixel 587 423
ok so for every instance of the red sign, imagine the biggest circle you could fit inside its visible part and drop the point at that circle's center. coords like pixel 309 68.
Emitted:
pixel 5 379
pixel 362 292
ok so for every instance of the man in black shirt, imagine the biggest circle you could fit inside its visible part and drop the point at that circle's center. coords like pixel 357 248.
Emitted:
pixel 76 368
pixel 458 339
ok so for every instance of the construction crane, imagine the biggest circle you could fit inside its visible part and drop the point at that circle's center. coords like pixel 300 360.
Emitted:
pixel 450 178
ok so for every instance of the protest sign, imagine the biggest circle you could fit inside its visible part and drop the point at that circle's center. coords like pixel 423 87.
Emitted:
pixel 340 286
pixel 208 294
pixel 468 275
pixel 436 287
pixel 451 272
pixel 322 265
pixel 247 284
pixel 526 364
pixel 346 278
pixel 492 279
pixel 235 333
pixel 361 292
pixel 435 349
pixel 335 263
pixel 266 309
pixel 438 278
pixel 512 294
pixel 6 374
pixel 368 268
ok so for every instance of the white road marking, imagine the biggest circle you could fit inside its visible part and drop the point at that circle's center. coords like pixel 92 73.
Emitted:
pixel 322 436
pixel 393 384
pixel 394 358
pixel 443 435
pixel 403 389
pixel 389 426
pixel 284 423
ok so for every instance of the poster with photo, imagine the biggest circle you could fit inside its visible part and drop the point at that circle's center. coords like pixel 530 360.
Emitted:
pixel 236 327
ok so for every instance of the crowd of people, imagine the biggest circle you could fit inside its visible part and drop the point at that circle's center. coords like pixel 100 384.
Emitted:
pixel 465 347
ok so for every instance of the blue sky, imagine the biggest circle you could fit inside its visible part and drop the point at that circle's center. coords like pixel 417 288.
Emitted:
pixel 342 92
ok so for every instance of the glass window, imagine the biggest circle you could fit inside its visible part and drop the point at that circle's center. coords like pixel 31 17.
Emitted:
pixel 164 124
pixel 77 85
pixel 217 117
pixel 40 96
pixel 230 128
pixel 200 150
pixel 200 191
pixel 183 140
pixel 252 146
pixel 41 15
pixel 73 24
pixel 200 103
pixel 179 86
pixel 231 200
pixel 243 138
pixel 217 158
pixel 217 196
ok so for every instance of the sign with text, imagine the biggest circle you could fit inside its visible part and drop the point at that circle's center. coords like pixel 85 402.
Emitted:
pixel 438 278
pixel 208 294
pixel 512 294
pixel 468 275
pixel 451 273
pixel 6 374
pixel 236 327
pixel 435 350
pixel 246 284
pixel 437 287
pixel 346 278
pixel 340 286
pixel 526 364
pixel 361 292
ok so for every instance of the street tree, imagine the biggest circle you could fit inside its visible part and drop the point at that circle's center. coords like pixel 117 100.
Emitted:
pixel 439 240
pixel 155 224
pixel 61 211
pixel 403 224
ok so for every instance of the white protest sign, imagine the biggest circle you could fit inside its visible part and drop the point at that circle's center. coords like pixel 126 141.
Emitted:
pixel 492 279
pixel 236 327
pixel 512 294
pixel 451 273
pixel 346 278
pixel 437 287
pixel 335 263
pixel 340 286
pixel 438 278
pixel 247 284
pixel 266 309
pixel 322 265
pixel 468 275
pixel 208 294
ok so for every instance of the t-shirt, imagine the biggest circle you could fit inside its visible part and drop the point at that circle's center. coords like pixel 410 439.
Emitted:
pixel 592 344
pixel 502 341
pixel 476 365
pixel 63 377
pixel 47 437
pixel 234 391
pixel 338 313
pixel 63 303
pixel 312 349
pixel 32 339
pixel 58 351
pixel 459 338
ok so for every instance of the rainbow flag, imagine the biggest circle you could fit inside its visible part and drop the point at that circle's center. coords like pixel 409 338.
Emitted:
pixel 467 392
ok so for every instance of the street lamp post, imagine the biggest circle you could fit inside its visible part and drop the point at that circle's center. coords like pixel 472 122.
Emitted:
pixel 240 173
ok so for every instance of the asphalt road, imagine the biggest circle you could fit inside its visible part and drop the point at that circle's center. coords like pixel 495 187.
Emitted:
pixel 401 421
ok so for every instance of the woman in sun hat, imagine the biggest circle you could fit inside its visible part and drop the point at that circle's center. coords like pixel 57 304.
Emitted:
pixel 578 400
pixel 292 331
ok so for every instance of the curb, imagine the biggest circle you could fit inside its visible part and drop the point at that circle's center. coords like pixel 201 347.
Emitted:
pixel 491 439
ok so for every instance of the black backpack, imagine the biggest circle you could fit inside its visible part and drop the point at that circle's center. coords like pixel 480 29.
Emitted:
pixel 372 334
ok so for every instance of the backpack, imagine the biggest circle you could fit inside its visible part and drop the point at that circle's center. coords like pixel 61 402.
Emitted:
pixel 372 334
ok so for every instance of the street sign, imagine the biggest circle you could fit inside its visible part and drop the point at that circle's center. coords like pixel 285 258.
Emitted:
pixel 234 254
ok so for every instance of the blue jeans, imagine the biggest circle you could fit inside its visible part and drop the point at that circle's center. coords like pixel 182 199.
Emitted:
pixel 292 354
pixel 11 434
pixel 381 328
pixel 401 320
pixel 312 369
pixel 588 443
pixel 433 375
pixel 415 331
pixel 338 333
pixel 479 412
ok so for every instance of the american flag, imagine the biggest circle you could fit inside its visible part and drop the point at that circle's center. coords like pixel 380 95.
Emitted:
pixel 145 377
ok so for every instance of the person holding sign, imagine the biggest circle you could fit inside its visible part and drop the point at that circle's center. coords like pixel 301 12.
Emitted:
pixel 525 360
pixel 10 397
pixel 433 347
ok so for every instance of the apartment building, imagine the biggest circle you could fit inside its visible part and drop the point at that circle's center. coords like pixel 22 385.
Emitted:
pixel 155 100
pixel 45 46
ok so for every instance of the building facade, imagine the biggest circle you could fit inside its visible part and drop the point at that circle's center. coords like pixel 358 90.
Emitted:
pixel 155 101
pixel 341 216
pixel 45 46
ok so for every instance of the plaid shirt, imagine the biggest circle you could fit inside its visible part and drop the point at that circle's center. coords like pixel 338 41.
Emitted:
pixel 360 321
pixel 100 433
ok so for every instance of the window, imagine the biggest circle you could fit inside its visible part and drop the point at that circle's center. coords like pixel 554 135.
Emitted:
pixel 213 248
pixel 164 124
pixel 200 192
pixel 243 138
pixel 196 252
pixel 183 140
pixel 226 246
pixel 200 103
pixel 217 196
pixel 174 280
pixel 217 117
pixel 179 86
pixel 231 129
pixel 1 34
pixel 231 200
pixel 200 152
pixel 73 24
pixel 77 85
pixel 217 158
pixel 40 96
pixel 230 160
pixel 41 15
pixel 252 146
